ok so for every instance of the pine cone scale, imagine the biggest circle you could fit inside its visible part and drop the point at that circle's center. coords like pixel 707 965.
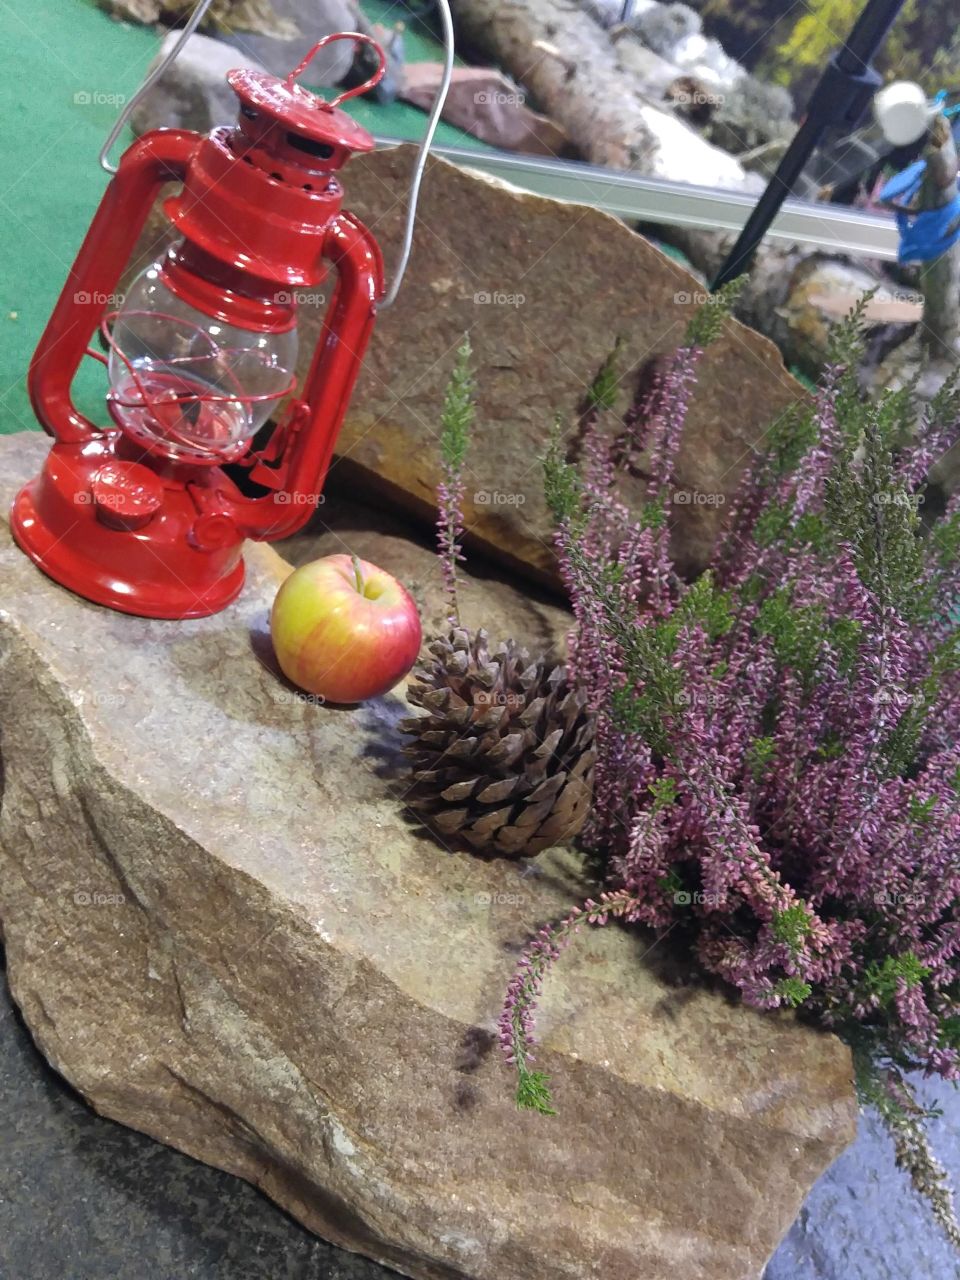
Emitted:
pixel 461 790
pixel 503 758
pixel 498 791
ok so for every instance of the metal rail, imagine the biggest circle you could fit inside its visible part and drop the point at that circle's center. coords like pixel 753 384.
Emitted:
pixel 833 228
pixel 848 83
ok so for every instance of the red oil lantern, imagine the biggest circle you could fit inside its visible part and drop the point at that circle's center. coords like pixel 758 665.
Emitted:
pixel 142 515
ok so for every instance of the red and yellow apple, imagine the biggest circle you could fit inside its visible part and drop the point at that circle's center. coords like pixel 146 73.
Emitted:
pixel 344 630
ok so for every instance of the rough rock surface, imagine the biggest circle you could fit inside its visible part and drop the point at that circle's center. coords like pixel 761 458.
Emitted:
pixel 544 288
pixel 193 92
pixel 486 599
pixel 652 72
pixel 311 21
pixel 856 1224
pixel 221 931
pixel 145 11
pixel 580 78
pixel 864 1221
pixel 796 297
pixel 259 17
pixel 486 103
pixel 804 305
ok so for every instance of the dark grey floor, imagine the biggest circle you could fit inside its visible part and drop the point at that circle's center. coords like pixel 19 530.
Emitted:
pixel 858 1224
pixel 84 1199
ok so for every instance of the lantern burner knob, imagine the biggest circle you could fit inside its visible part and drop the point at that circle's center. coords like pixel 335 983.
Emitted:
pixel 126 495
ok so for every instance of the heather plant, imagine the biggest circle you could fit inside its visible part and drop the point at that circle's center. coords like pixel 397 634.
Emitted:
pixel 502 759
pixel 778 741
pixel 456 420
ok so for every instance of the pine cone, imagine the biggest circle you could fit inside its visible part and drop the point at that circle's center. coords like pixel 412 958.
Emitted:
pixel 504 758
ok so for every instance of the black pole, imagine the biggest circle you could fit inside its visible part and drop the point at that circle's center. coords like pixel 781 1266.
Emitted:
pixel 841 97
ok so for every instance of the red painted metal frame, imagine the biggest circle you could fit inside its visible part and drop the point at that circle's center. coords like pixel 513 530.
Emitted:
pixel 149 534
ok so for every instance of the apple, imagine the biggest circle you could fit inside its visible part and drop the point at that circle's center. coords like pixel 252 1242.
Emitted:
pixel 344 629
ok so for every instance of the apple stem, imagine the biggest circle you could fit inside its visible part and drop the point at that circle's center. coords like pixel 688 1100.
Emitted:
pixel 356 570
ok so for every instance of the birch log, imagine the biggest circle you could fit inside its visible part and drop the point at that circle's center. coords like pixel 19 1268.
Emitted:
pixel 576 73
pixel 579 75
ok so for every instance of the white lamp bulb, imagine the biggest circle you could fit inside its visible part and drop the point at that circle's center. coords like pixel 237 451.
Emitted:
pixel 902 112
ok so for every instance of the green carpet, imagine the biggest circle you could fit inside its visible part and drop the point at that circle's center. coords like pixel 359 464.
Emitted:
pixel 63 66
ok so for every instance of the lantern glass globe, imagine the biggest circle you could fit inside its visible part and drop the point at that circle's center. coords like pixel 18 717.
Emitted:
pixel 190 385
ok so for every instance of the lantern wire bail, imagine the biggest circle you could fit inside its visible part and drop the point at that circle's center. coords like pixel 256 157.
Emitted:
pixel 355 92
pixel 446 22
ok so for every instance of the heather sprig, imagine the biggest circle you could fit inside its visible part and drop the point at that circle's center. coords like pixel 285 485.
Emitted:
pixel 778 742
pixel 708 320
pixel 456 420
pixel 516 1020
pixel 882 1087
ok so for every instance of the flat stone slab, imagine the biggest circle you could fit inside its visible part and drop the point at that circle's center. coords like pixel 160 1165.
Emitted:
pixel 221 929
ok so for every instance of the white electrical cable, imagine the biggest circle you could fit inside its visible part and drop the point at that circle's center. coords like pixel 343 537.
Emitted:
pixel 446 20
pixel 420 165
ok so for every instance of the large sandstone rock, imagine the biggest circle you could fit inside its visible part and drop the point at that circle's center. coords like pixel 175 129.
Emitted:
pixel 544 288
pixel 220 929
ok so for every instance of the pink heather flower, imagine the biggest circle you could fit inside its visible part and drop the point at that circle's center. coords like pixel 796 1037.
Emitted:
pixel 796 807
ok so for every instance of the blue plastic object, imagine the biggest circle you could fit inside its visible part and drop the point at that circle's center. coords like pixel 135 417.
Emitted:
pixel 925 235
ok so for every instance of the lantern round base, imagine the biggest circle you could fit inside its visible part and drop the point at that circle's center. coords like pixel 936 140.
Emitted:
pixel 150 572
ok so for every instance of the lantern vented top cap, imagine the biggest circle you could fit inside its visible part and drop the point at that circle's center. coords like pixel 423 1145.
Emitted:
pixel 299 111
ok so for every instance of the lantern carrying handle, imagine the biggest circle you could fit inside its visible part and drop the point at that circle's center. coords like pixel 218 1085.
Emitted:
pixel 420 164
pixel 130 106
pixel 357 38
